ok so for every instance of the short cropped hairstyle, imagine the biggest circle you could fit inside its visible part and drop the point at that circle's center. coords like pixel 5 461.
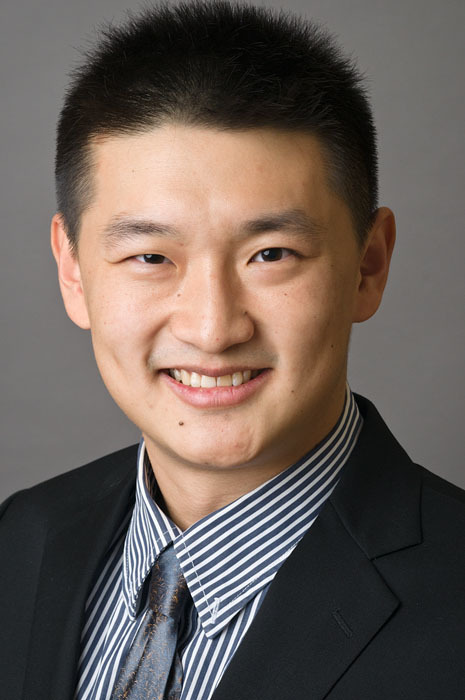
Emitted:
pixel 224 66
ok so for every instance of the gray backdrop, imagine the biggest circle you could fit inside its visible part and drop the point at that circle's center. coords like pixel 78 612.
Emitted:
pixel 56 413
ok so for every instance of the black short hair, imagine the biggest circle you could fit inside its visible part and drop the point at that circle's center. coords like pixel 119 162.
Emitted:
pixel 226 66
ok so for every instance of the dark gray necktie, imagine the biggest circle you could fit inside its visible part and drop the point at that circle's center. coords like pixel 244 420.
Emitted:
pixel 152 669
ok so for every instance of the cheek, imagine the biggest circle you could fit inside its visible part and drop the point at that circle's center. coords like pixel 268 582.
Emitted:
pixel 312 321
pixel 122 323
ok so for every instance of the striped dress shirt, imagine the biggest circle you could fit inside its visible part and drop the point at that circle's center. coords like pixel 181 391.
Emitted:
pixel 228 558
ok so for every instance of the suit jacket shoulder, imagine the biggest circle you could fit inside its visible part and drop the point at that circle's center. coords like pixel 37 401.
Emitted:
pixel 52 538
pixel 74 489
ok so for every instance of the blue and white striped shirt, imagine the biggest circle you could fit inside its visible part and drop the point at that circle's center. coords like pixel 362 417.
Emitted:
pixel 228 558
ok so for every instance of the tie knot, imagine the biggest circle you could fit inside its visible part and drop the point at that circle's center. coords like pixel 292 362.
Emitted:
pixel 168 586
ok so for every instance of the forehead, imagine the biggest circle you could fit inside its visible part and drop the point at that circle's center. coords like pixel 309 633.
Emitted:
pixel 192 175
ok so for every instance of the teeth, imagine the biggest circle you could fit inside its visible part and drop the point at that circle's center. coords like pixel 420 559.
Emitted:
pixel 237 378
pixel 225 380
pixel 206 382
pixel 195 379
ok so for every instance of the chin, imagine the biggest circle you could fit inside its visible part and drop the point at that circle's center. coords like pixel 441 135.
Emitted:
pixel 219 456
pixel 217 461
pixel 219 444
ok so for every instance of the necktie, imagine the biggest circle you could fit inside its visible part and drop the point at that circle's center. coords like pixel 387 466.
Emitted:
pixel 152 669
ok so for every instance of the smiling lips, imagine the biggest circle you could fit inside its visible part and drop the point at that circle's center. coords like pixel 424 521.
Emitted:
pixel 204 381
pixel 215 392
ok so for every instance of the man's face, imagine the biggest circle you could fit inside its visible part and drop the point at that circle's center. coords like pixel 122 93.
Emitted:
pixel 224 254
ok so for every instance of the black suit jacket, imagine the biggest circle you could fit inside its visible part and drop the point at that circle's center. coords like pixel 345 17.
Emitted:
pixel 369 606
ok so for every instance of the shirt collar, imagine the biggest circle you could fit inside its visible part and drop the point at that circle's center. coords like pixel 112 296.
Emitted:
pixel 150 532
pixel 231 554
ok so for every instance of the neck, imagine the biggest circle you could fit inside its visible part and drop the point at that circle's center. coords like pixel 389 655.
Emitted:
pixel 189 495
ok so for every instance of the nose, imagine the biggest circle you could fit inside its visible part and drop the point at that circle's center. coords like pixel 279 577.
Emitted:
pixel 210 311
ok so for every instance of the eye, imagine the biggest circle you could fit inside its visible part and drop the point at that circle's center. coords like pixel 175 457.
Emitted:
pixel 152 258
pixel 272 255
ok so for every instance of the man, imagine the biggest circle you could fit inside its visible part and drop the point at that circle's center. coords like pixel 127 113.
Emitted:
pixel 218 233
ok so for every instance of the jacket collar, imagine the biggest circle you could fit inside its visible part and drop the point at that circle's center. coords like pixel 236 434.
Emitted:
pixel 328 601
pixel 379 487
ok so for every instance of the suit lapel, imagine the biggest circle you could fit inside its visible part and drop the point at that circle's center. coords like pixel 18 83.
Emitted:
pixel 324 606
pixel 72 553
pixel 328 601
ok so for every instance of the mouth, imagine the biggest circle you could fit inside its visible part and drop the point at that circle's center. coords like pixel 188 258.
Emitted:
pixel 205 381
pixel 215 390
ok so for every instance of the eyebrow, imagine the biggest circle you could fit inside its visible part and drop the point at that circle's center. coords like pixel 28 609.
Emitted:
pixel 296 221
pixel 121 228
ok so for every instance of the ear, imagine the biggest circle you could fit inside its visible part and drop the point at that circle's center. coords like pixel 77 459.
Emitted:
pixel 374 264
pixel 69 274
